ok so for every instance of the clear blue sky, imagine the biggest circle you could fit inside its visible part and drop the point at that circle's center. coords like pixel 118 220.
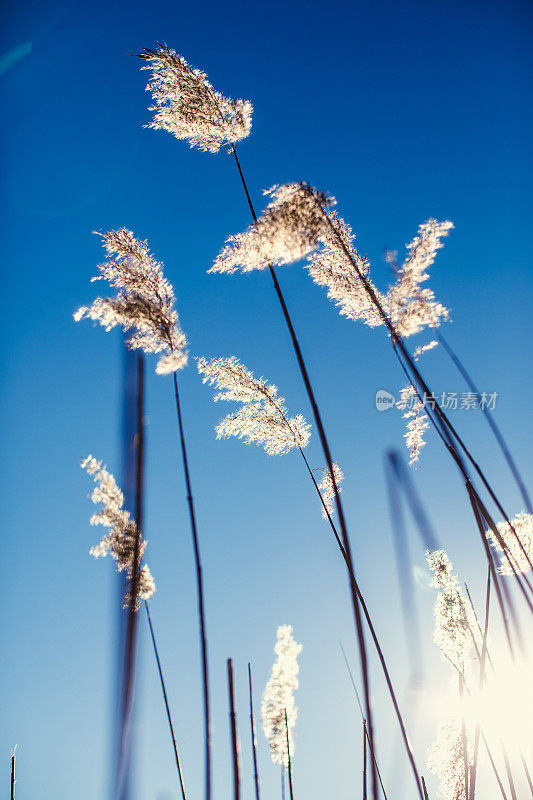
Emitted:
pixel 403 110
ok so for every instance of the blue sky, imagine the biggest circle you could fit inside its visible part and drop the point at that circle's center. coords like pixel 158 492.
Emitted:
pixel 402 111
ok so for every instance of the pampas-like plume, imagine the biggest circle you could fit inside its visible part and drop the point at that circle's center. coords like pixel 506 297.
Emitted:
pixel 120 539
pixel 520 550
pixel 455 623
pixel 299 222
pixel 446 759
pixel 417 423
pixel 278 697
pixel 327 489
pixel 331 267
pixel 144 301
pixel 262 417
pixel 287 230
pixel 410 307
pixel 188 107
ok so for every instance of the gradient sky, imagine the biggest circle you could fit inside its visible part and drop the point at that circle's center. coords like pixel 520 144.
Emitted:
pixel 403 110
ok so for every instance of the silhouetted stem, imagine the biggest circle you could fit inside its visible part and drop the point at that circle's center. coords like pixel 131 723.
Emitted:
pixel 426 796
pixel 201 609
pixel 13 776
pixel 528 776
pixel 509 772
pixel 233 732
pixel 494 768
pixel 252 732
pixel 364 721
pixel 492 424
pixel 463 737
pixel 364 761
pixel 289 765
pixel 131 629
pixel 329 461
pixel 481 682
pixel 165 698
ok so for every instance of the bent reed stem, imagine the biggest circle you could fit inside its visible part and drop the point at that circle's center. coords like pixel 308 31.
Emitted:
pixel 329 461
pixel 165 698
pixel 200 590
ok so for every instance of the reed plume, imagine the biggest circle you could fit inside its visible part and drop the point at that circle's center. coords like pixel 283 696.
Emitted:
pixel 122 535
pixel 262 417
pixel 278 699
pixel 144 302
pixel 517 539
pixel 327 490
pixel 187 106
pixel 446 759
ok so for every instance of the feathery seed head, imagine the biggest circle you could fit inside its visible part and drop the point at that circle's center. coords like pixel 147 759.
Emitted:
pixel 411 308
pixel 337 265
pixel 523 527
pixel 121 537
pixel 186 105
pixel 455 624
pixel 446 759
pixel 417 422
pixel 278 698
pixel 287 230
pixel 143 304
pixel 263 417
pixel 332 266
pixel 327 489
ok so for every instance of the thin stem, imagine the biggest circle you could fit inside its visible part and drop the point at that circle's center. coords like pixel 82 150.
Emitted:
pixel 357 591
pixel 363 719
pixel 426 796
pixel 289 765
pixel 445 428
pixel 201 610
pixel 492 424
pixel 282 782
pixel 233 732
pixel 509 772
pixel 131 630
pixel 13 776
pixel 165 698
pixel 494 768
pixel 495 576
pixel 449 438
pixel 528 776
pixel 481 682
pixel 364 761
pixel 463 737
pixel 252 733
pixel 329 461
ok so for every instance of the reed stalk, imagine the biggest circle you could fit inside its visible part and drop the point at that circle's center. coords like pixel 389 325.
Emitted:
pixel 252 733
pixel 491 422
pixel 329 461
pixel 13 776
pixel 526 771
pixel 233 733
pixel 165 698
pixel 363 720
pixel 200 591
pixel 508 770
pixel 289 763
pixel 132 627
pixel 364 761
